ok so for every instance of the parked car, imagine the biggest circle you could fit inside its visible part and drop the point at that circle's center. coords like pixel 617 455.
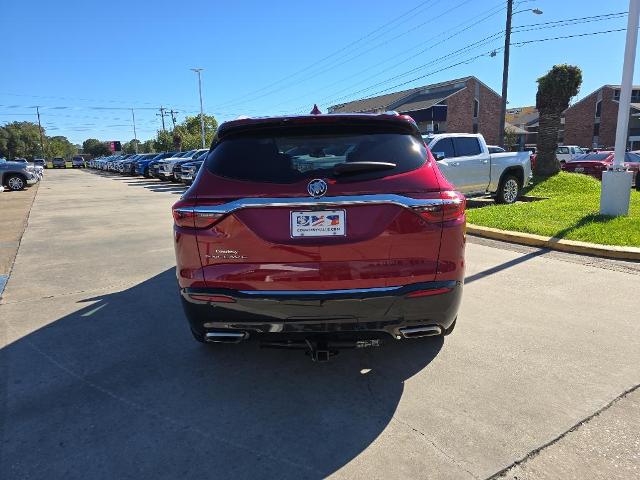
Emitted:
pixel 59 162
pixel 303 253
pixel 165 167
pixel 189 170
pixel 146 166
pixel 466 162
pixel 17 175
pixel 594 164
pixel 77 162
pixel 177 166
pixel 40 162
pixel 566 153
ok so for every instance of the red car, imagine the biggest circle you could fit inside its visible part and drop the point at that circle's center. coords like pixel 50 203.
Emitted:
pixel 595 163
pixel 320 232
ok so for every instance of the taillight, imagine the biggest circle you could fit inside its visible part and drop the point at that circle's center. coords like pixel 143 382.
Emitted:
pixel 187 215
pixel 451 208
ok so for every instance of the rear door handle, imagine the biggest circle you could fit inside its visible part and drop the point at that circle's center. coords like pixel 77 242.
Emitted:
pixel 455 164
pixel 485 161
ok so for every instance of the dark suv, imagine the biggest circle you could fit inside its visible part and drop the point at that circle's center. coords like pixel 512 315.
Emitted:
pixel 320 232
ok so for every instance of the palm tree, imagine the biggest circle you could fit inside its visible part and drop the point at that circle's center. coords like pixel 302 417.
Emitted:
pixel 555 90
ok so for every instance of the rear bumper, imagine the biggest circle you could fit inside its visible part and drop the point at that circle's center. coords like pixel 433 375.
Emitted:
pixel 357 313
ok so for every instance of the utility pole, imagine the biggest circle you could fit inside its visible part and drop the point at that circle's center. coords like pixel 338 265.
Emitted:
pixel 135 135
pixel 161 115
pixel 40 129
pixel 173 114
pixel 505 73
pixel 616 182
pixel 505 66
pixel 198 70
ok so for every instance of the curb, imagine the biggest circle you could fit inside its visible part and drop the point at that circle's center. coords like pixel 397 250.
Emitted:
pixel 554 243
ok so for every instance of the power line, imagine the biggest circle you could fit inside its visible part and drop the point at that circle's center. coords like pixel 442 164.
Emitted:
pixel 559 23
pixel 469 60
pixel 553 24
pixel 342 49
pixel 517 44
pixel 346 59
pixel 491 13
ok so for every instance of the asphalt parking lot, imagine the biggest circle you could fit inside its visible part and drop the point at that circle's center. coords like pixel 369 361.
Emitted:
pixel 101 378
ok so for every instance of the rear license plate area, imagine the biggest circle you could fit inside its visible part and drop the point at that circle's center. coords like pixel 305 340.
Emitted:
pixel 318 223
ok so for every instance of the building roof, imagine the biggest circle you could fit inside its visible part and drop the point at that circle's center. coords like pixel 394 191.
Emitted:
pixel 514 129
pixel 406 100
pixel 522 116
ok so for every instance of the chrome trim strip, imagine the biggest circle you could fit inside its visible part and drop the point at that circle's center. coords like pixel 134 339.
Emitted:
pixel 319 292
pixel 393 199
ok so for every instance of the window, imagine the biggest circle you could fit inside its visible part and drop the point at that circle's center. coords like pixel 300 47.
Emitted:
pixel 598 108
pixel 616 94
pixel 466 146
pixel 476 107
pixel 444 146
pixel 635 95
pixel 562 150
pixel 283 155
pixel 596 130
pixel 632 157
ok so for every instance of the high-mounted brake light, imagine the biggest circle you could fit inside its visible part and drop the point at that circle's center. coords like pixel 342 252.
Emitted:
pixel 451 208
pixel 186 215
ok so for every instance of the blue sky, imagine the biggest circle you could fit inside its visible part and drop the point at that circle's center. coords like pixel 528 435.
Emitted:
pixel 85 63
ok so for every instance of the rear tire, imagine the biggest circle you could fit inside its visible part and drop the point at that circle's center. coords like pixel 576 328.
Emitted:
pixel 15 182
pixel 508 190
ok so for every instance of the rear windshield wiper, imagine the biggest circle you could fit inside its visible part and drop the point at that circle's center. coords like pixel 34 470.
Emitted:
pixel 357 167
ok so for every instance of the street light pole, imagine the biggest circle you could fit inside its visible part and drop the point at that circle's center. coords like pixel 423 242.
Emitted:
pixel 40 130
pixel 616 182
pixel 505 73
pixel 198 70
pixel 505 66
pixel 135 135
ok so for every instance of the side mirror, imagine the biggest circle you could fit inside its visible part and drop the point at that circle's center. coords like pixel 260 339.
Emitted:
pixel 439 156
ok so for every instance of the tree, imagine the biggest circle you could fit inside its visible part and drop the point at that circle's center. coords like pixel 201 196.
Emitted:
pixel 510 136
pixel 60 146
pixel 163 141
pixel 147 146
pixel 89 144
pixel 130 147
pixel 95 147
pixel 191 131
pixel 20 139
pixel 555 90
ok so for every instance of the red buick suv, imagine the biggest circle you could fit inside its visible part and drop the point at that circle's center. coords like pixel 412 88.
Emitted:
pixel 320 231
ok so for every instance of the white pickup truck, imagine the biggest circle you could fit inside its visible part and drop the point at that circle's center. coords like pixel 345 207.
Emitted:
pixel 466 162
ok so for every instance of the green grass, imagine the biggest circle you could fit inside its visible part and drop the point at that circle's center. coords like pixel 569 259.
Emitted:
pixel 571 212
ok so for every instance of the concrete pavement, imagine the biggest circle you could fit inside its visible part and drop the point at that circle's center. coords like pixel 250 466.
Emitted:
pixel 101 378
pixel 14 211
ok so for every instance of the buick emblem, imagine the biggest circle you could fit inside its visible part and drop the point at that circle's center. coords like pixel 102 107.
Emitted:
pixel 317 187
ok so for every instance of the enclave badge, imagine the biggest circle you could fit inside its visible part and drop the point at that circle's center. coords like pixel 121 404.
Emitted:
pixel 317 187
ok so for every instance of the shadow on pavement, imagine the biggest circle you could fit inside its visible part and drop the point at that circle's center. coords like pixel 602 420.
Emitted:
pixel 120 389
pixel 155 185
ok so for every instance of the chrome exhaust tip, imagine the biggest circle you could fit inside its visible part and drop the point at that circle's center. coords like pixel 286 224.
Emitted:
pixel 422 331
pixel 226 337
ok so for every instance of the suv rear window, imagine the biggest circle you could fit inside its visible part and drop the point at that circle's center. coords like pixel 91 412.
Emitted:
pixel 288 156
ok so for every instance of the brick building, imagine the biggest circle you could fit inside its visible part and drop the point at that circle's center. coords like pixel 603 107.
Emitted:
pixel 591 122
pixel 464 105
